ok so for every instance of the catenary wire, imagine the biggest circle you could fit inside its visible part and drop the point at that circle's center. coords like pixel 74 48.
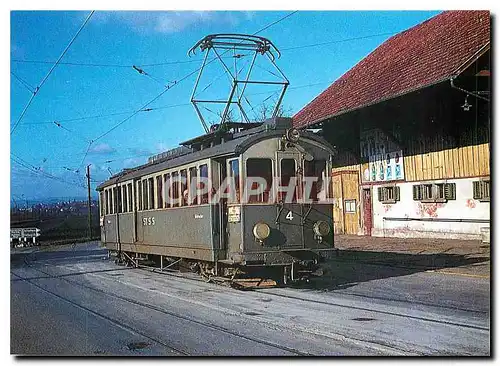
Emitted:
pixel 50 72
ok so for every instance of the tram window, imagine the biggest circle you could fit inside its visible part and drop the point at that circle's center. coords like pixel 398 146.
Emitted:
pixel 168 189
pixel 130 198
pixel 159 192
pixel 260 168
pixel 106 203
pixel 183 184
pixel 288 171
pixel 115 205
pixel 316 169
pixel 192 186
pixel 203 181
pixel 119 199
pixel 139 195
pixel 109 205
pixel 234 173
pixel 145 202
pixel 109 202
pixel 151 193
pixel 124 198
pixel 175 189
pixel 101 202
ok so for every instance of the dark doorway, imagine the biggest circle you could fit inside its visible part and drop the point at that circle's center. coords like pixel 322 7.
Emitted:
pixel 367 211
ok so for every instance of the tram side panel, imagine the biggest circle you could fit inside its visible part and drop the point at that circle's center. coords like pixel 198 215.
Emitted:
pixel 188 232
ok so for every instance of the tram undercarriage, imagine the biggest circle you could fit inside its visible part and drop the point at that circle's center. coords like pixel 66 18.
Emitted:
pixel 239 276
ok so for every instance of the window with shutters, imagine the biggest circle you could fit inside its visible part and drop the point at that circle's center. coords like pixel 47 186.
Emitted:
pixel 350 206
pixel 389 194
pixel 434 192
pixel 481 190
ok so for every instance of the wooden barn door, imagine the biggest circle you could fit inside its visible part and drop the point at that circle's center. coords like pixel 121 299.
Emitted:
pixel 345 189
pixel 350 187
pixel 338 216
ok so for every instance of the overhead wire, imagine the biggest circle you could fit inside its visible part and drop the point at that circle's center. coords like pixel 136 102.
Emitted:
pixel 23 82
pixel 198 60
pixel 156 108
pixel 35 91
pixel 58 124
pixel 145 105
pixel 339 41
pixel 38 171
pixel 88 64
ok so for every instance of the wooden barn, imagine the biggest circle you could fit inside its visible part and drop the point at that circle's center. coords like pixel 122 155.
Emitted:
pixel 411 124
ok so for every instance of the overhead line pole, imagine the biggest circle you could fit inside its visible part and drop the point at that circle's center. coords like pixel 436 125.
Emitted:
pixel 89 204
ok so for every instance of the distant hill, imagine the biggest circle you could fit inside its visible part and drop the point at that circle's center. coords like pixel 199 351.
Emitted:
pixel 50 200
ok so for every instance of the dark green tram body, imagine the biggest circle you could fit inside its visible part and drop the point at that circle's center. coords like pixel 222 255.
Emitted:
pixel 133 221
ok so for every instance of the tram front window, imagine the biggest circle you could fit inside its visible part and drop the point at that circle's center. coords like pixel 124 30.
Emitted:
pixel 259 180
pixel 314 180
pixel 234 173
pixel 288 190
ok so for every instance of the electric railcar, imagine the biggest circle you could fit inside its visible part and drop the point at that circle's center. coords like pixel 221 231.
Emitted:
pixel 176 208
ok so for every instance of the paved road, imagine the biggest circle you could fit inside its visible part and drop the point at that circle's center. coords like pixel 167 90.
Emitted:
pixel 74 301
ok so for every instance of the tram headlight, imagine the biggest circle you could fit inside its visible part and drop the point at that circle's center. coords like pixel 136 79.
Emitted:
pixel 321 228
pixel 292 135
pixel 261 231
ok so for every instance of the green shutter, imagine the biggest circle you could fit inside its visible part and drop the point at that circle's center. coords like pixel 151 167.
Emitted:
pixel 449 191
pixel 476 187
pixel 416 196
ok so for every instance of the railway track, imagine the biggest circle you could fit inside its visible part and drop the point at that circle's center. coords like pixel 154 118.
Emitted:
pixel 269 292
pixel 194 277
pixel 198 278
pixel 375 311
pixel 377 347
pixel 150 307
pixel 102 316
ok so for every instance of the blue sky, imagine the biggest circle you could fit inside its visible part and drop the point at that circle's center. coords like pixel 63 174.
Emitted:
pixel 75 92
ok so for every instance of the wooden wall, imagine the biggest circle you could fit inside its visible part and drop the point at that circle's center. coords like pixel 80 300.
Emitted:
pixel 444 157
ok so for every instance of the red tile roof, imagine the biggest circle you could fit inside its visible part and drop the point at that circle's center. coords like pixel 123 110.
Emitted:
pixel 423 55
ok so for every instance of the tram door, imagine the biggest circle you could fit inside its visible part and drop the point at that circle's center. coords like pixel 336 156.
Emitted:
pixel 289 213
pixel 138 233
pixel 222 207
